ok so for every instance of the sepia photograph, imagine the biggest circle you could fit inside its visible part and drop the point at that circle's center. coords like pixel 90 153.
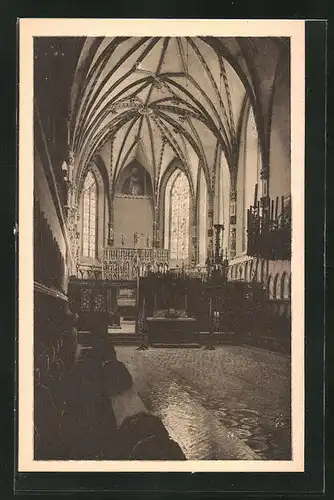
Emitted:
pixel 161 245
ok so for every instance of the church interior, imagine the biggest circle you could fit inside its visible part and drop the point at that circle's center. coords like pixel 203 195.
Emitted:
pixel 162 248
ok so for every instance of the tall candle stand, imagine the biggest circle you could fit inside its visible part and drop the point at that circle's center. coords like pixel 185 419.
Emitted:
pixel 140 314
pixel 217 267
pixel 209 346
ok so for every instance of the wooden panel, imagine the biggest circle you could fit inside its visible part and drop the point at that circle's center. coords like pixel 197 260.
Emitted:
pixel 55 347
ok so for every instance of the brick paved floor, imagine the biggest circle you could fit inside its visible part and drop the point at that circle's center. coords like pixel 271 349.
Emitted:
pixel 199 393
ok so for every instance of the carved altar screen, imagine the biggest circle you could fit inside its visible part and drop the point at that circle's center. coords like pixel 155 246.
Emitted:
pixel 179 218
pixel 89 216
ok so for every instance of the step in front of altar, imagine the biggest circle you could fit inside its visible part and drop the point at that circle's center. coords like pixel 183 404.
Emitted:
pixel 124 338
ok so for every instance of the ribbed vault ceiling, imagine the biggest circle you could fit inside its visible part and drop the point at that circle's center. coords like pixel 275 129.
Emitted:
pixel 155 99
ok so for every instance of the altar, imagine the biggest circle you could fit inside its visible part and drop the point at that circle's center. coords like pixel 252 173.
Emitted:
pixel 166 311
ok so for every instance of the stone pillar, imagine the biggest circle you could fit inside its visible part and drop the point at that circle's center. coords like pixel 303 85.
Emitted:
pixel 72 215
pixel 74 236
pixel 193 234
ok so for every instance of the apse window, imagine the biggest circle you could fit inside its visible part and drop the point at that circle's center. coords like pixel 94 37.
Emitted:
pixel 179 218
pixel 89 216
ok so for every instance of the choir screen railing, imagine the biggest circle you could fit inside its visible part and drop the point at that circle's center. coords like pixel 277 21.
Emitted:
pixel 129 263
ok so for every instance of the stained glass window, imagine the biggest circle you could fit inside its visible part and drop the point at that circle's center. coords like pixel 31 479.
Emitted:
pixel 252 168
pixel 89 216
pixel 179 218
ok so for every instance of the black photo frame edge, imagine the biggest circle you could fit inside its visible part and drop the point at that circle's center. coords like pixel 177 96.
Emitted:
pixel 260 484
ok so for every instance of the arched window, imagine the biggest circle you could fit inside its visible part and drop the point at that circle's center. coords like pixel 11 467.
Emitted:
pixel 179 218
pixel 89 201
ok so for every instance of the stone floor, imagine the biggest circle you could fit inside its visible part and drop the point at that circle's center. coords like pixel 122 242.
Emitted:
pixel 201 394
